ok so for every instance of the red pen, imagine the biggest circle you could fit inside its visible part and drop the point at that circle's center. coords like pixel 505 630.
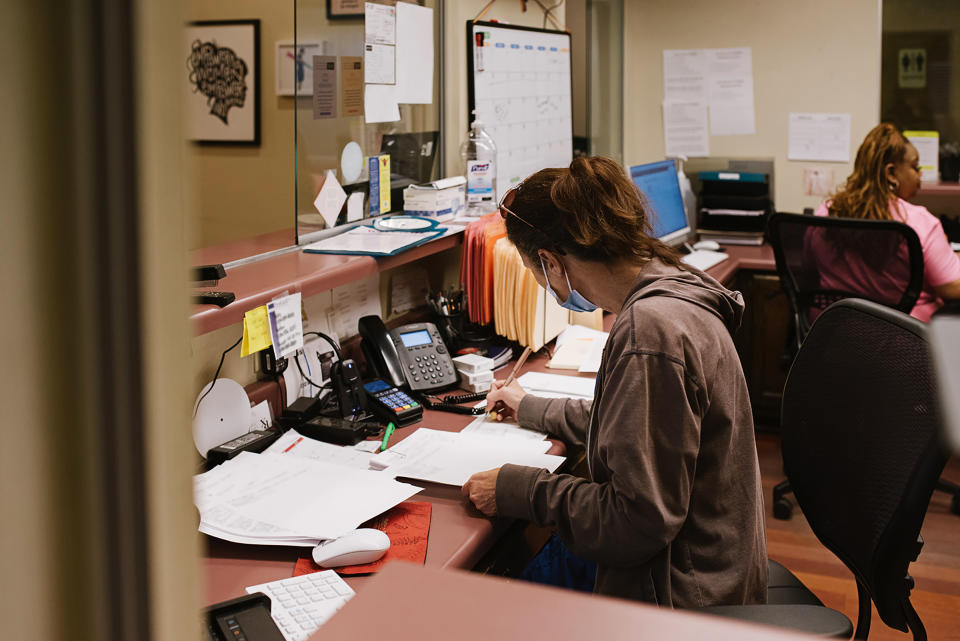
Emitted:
pixel 293 445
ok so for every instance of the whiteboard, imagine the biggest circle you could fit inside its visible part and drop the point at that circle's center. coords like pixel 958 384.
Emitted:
pixel 519 83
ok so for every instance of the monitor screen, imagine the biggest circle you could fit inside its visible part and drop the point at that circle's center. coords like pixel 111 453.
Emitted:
pixel 658 182
pixel 413 339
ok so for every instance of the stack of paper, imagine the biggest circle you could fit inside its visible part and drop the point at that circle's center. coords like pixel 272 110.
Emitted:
pixel 557 386
pixel 274 499
pixel 295 444
pixel 579 348
pixel 452 458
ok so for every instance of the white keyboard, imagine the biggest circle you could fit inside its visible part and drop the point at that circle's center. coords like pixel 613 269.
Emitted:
pixel 703 259
pixel 301 604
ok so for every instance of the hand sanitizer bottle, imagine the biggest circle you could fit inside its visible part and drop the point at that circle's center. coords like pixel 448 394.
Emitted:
pixel 479 154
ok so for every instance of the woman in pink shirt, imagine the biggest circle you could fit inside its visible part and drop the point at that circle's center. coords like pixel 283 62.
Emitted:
pixel 886 174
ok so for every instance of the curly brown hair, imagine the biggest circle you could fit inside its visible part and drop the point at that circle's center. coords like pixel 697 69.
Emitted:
pixel 867 193
pixel 591 210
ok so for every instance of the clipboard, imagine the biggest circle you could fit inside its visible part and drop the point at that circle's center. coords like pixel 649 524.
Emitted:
pixel 366 240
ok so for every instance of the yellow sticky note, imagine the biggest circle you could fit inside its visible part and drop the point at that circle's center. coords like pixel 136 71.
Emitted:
pixel 384 183
pixel 256 331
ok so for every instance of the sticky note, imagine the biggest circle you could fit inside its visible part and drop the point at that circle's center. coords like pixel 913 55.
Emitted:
pixel 256 331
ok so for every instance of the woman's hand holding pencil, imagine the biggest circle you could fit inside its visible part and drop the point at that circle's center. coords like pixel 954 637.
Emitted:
pixel 504 398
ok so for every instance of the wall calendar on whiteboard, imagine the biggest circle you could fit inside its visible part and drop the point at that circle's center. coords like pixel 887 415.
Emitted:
pixel 519 83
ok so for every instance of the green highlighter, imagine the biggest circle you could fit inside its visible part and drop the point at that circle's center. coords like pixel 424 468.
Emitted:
pixel 386 435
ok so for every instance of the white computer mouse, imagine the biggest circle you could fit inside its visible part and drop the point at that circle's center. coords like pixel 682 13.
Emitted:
pixel 708 245
pixel 363 545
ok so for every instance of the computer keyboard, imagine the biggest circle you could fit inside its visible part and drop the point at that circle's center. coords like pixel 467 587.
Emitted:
pixel 703 259
pixel 301 604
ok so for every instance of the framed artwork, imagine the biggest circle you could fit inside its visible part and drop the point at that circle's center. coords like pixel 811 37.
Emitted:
pixel 345 8
pixel 294 67
pixel 222 82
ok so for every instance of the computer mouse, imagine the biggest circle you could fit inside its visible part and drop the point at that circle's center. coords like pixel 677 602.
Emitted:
pixel 708 245
pixel 363 545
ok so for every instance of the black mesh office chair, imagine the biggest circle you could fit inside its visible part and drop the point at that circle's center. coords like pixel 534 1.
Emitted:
pixel 822 259
pixel 860 438
pixel 860 427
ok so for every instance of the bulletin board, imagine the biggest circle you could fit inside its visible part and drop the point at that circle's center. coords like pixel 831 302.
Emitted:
pixel 519 82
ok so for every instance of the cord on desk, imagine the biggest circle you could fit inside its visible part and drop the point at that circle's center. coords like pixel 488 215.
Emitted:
pixel 215 376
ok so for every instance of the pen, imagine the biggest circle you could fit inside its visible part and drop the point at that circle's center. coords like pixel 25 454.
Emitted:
pixel 516 369
pixel 386 435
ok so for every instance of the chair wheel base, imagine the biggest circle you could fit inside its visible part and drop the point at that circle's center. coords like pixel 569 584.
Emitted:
pixel 783 509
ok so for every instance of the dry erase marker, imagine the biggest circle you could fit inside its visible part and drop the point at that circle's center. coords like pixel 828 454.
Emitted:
pixel 386 435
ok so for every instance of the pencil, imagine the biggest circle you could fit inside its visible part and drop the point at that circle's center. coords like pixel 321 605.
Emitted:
pixel 516 369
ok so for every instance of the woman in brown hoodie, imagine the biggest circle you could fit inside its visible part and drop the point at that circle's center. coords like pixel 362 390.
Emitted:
pixel 672 512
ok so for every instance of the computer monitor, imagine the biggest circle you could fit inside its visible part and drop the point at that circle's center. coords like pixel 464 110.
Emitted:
pixel 659 184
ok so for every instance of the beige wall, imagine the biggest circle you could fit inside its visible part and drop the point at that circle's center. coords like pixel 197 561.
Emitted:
pixel 816 56
pixel 455 71
pixel 247 191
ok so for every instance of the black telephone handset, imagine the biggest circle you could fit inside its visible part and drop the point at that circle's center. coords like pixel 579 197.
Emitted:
pixel 413 356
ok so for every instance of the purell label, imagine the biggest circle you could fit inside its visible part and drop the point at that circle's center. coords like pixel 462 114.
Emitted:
pixel 479 180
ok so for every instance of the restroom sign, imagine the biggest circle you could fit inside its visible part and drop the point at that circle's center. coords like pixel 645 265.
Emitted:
pixel 912 68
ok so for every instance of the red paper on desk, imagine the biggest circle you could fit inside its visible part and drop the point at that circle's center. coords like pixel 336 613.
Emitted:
pixel 407 525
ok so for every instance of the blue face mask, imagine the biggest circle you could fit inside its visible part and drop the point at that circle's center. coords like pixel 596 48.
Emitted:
pixel 575 301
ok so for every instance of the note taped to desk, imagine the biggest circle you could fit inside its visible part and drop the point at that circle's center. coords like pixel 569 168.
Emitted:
pixel 407 525
pixel 367 241
pixel 451 458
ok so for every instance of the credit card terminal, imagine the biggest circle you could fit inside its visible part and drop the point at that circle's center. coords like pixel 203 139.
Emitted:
pixel 391 403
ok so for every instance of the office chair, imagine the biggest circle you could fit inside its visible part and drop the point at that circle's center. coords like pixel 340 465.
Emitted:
pixel 860 439
pixel 821 260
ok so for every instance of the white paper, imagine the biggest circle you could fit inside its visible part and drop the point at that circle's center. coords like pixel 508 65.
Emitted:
pixel 591 364
pixel 355 206
pixel 819 137
pixel 928 151
pixel 684 75
pixel 289 500
pixel 414 54
pixel 260 418
pixel 501 429
pixel 380 103
pixel 731 105
pixel 730 91
pixel 369 240
pixel 542 384
pixel 330 199
pixel 378 65
pixel 380 23
pixel 408 289
pixel 685 128
pixel 350 302
pixel 576 346
pixel 451 458
pixel 286 324
pixel 293 443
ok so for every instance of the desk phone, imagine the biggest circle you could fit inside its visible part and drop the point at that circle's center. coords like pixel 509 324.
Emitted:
pixel 413 356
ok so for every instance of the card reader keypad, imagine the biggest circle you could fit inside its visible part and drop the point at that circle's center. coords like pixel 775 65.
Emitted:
pixel 396 400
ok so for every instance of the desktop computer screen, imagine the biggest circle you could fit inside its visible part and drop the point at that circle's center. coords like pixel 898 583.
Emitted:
pixel 658 182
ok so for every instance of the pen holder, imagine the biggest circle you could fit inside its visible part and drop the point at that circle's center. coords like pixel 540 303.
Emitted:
pixel 451 328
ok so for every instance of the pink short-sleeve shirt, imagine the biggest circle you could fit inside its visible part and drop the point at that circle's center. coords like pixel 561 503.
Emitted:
pixel 940 264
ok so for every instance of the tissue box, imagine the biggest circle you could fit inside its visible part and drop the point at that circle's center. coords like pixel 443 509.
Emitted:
pixel 440 200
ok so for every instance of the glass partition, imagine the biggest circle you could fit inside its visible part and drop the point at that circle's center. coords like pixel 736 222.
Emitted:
pixel 334 139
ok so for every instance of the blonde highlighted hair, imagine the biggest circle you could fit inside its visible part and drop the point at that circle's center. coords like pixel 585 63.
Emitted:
pixel 867 193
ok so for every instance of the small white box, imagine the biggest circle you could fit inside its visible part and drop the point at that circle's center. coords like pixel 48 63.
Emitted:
pixel 476 389
pixel 473 363
pixel 476 378
pixel 433 201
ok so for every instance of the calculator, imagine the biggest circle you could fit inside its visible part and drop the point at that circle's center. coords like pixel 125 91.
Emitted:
pixel 391 403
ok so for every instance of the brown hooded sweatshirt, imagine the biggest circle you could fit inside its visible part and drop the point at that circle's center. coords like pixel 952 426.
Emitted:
pixel 673 511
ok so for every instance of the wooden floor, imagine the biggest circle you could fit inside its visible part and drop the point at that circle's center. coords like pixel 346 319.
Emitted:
pixel 936 572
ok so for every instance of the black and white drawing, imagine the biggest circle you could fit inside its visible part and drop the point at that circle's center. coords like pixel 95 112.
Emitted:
pixel 222 71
